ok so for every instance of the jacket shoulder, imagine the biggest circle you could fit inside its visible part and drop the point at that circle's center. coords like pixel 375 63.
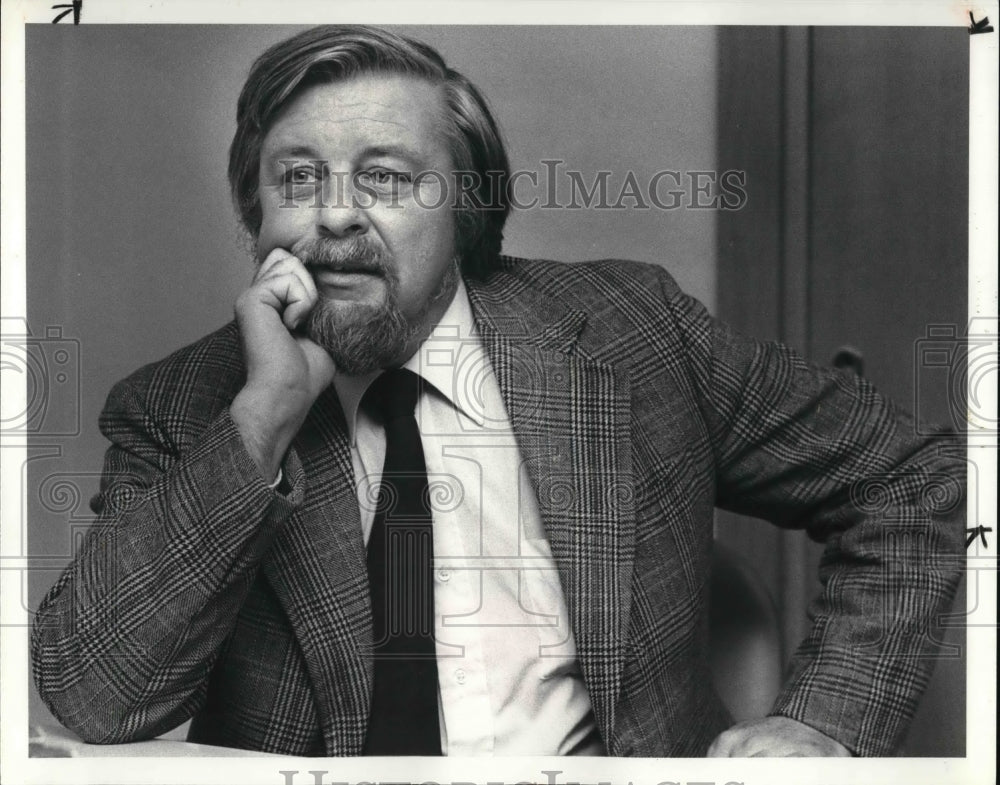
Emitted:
pixel 183 392
pixel 632 308
pixel 557 277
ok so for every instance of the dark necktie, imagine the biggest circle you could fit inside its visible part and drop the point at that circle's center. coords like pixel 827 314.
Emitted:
pixel 404 716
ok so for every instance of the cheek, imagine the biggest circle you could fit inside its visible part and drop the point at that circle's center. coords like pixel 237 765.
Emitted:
pixel 428 253
pixel 439 225
pixel 280 226
pixel 431 190
pixel 437 246
pixel 413 230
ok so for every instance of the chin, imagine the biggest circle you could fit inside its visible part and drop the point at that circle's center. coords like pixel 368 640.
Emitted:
pixel 359 336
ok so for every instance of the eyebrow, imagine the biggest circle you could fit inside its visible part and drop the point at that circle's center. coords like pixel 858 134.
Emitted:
pixel 376 151
pixel 391 151
pixel 295 151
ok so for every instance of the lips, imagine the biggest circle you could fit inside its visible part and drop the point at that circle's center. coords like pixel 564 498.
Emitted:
pixel 323 272
pixel 347 283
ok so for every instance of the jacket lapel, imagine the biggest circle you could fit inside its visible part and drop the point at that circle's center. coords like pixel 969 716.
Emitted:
pixel 317 569
pixel 570 414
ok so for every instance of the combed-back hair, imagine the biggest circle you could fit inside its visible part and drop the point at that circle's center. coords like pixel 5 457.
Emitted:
pixel 329 54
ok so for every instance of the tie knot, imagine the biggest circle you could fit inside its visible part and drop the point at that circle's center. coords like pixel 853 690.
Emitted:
pixel 393 395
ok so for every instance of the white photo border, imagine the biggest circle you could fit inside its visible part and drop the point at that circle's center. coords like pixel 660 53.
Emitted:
pixel 978 766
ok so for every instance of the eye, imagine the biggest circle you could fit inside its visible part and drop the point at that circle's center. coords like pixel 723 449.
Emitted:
pixel 302 175
pixel 385 178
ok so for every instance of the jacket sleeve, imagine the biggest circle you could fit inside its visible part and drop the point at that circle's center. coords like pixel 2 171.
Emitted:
pixel 822 450
pixel 123 643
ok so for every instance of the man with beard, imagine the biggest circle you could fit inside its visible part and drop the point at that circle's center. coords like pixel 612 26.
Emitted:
pixel 231 576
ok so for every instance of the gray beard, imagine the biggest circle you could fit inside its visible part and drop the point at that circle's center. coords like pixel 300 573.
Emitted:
pixel 360 337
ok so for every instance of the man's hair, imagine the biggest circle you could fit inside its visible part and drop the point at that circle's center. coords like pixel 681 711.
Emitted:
pixel 331 54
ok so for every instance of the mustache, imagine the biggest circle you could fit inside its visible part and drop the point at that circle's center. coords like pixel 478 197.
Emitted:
pixel 354 255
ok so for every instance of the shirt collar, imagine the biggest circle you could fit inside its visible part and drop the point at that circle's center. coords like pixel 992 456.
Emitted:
pixel 436 361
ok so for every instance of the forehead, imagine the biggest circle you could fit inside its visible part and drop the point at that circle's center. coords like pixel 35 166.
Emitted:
pixel 364 111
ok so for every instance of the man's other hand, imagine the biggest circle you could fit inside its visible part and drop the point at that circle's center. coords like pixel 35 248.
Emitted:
pixel 775 737
pixel 286 371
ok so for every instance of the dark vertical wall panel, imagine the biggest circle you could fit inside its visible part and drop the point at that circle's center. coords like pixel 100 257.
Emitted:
pixel 749 140
pixel 889 197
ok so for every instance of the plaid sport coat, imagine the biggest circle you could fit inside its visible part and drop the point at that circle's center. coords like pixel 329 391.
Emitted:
pixel 200 592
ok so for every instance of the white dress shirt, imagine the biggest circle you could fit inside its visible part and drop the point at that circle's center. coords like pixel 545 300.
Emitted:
pixel 510 682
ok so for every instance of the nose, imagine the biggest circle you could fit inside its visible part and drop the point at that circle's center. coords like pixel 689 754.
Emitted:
pixel 343 212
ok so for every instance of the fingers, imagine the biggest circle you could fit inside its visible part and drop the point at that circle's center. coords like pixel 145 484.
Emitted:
pixel 774 737
pixel 279 261
pixel 276 255
pixel 722 746
pixel 283 282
